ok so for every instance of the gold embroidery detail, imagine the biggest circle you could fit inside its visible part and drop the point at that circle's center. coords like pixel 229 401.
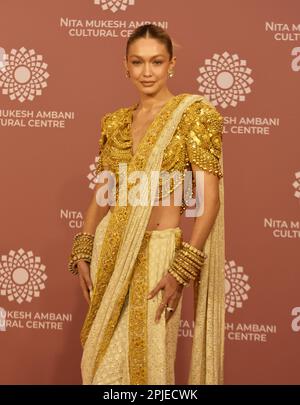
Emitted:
pixel 197 140
pixel 137 329
pixel 203 126
pixel 107 261
pixel 102 142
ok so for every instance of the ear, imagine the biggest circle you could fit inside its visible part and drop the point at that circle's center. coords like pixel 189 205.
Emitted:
pixel 173 62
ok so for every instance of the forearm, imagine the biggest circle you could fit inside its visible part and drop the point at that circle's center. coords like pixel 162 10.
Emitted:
pixel 203 224
pixel 94 214
pixel 190 259
pixel 84 241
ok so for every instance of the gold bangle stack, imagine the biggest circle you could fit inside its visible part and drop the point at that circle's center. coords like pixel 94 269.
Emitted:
pixel 187 263
pixel 82 250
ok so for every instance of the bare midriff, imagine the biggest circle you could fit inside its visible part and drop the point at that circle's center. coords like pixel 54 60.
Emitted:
pixel 163 217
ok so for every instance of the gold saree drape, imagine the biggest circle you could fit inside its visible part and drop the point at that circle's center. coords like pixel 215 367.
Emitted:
pixel 121 247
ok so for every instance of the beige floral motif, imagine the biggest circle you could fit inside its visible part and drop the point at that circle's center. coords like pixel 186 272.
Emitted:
pixel 22 276
pixel 23 74
pixel 114 5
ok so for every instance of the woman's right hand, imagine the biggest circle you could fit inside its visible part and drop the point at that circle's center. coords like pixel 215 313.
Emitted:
pixel 85 279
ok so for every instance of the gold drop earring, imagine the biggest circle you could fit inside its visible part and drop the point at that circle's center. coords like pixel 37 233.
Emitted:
pixel 171 73
pixel 127 74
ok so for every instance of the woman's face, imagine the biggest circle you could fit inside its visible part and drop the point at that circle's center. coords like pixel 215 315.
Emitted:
pixel 148 63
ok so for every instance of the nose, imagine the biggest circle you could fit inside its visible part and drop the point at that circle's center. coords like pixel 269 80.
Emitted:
pixel 147 70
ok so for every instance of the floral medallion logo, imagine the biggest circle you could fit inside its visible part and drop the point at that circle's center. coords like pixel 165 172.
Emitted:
pixel 114 5
pixel 22 276
pixel 236 286
pixel 23 74
pixel 92 176
pixel 296 185
pixel 225 80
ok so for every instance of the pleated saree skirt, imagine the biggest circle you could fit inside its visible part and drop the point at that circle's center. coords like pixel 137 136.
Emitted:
pixel 140 351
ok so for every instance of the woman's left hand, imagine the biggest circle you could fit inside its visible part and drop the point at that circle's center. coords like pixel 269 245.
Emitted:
pixel 172 291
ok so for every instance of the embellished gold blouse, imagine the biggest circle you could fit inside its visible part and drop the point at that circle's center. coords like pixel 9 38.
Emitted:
pixel 197 140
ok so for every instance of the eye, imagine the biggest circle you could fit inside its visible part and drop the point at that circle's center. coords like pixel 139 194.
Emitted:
pixel 135 62
pixel 158 62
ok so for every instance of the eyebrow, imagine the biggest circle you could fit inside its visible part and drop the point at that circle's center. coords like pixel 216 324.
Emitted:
pixel 152 57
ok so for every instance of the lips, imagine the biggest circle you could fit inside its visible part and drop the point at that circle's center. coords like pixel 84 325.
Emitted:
pixel 147 83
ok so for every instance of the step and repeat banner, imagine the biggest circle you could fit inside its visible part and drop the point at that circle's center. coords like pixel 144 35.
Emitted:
pixel 61 69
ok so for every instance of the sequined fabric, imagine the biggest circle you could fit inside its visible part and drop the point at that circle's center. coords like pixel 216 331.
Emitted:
pixel 197 140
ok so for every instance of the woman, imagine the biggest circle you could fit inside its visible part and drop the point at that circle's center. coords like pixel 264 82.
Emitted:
pixel 131 259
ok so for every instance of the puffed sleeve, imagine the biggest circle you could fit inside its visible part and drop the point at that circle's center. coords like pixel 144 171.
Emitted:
pixel 102 142
pixel 203 131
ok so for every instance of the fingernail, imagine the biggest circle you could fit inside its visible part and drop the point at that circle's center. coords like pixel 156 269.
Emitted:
pixel 149 296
